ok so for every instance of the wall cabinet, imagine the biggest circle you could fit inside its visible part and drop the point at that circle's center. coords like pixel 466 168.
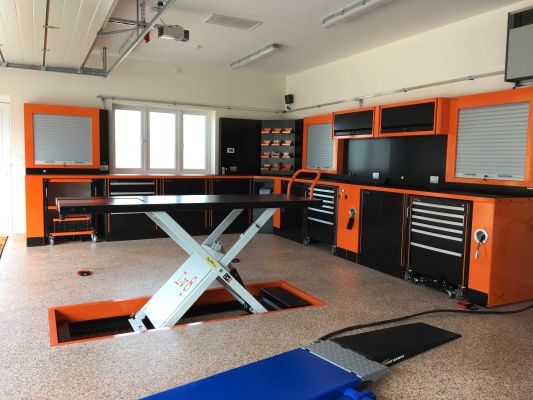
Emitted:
pixel 320 151
pixel 355 124
pixel 348 211
pixel 421 117
pixel 62 136
pixel 491 139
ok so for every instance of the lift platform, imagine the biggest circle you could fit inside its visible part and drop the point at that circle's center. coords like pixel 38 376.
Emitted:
pixel 208 262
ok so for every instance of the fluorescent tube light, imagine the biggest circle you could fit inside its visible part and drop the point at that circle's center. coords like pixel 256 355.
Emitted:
pixel 351 11
pixel 256 55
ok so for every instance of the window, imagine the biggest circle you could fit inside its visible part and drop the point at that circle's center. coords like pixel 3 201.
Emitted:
pixel 160 140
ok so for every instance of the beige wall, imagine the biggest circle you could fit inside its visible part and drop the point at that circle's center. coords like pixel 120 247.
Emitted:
pixel 472 46
pixel 133 78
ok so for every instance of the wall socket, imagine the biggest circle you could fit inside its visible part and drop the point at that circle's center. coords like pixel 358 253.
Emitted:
pixel 375 176
pixel 434 179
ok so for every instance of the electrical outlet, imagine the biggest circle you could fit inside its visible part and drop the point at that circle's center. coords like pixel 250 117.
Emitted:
pixel 434 179
pixel 375 176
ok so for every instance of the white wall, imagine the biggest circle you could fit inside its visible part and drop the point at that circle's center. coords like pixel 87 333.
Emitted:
pixel 133 78
pixel 472 46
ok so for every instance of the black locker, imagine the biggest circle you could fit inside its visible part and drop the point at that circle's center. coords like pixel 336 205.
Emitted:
pixel 240 146
pixel 381 231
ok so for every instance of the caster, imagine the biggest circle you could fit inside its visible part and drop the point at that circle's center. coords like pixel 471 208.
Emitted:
pixel 306 241
pixel 408 276
pixel 94 238
pixel 451 294
pixel 460 293
pixel 51 240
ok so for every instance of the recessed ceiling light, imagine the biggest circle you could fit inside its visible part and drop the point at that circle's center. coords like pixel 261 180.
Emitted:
pixel 232 22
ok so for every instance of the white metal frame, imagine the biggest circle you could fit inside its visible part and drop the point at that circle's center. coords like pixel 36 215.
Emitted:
pixel 206 264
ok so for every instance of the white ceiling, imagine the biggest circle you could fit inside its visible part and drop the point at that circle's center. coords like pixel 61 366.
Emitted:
pixel 22 30
pixel 294 24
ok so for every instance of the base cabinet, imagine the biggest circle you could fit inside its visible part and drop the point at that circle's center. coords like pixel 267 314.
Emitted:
pixel 348 212
pixel 381 231
pixel 194 222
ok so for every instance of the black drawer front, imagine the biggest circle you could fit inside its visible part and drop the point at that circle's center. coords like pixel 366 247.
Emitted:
pixel 137 187
pixel 131 227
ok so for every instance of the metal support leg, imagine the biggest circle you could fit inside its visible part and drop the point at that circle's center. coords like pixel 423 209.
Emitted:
pixel 201 269
pixel 220 229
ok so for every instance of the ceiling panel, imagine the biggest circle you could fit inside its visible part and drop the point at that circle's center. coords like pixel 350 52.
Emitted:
pixel 39 19
pixel 9 29
pixel 55 18
pixel 25 13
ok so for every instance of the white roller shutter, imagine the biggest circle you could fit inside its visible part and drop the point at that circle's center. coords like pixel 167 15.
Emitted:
pixel 319 146
pixel 491 142
pixel 62 139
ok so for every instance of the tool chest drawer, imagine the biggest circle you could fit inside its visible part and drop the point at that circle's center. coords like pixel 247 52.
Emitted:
pixel 132 187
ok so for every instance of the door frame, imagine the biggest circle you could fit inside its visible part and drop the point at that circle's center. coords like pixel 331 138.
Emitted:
pixel 6 178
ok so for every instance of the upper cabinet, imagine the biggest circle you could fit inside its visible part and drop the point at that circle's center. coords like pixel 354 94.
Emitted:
pixel 61 136
pixel 354 124
pixel 421 117
pixel 491 138
pixel 321 152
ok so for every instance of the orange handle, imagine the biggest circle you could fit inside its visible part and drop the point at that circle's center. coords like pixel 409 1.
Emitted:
pixel 309 171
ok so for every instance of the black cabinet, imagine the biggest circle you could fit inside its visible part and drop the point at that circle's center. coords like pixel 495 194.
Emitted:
pixel 381 231
pixel 194 222
pixel 293 220
pixel 408 118
pixel 240 144
pixel 439 238
pixel 131 226
pixel 353 123
pixel 231 186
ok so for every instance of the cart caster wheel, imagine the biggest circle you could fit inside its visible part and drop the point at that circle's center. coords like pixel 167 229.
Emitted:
pixel 408 277
pixel 51 240
pixel 94 238
pixel 306 241
pixel 451 294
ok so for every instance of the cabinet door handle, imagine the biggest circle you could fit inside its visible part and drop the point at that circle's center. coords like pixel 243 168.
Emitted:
pixel 352 212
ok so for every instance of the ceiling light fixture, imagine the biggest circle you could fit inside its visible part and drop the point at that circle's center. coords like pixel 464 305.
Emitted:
pixel 256 55
pixel 351 11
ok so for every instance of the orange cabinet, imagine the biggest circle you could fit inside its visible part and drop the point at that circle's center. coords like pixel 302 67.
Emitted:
pixel 500 273
pixel 61 136
pixel 276 220
pixel 413 118
pixel 348 217
pixel 320 151
pixel 491 138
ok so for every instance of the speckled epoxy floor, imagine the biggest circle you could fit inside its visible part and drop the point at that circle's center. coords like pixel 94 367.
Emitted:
pixel 493 359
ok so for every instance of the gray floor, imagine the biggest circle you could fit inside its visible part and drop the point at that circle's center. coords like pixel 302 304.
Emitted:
pixel 493 359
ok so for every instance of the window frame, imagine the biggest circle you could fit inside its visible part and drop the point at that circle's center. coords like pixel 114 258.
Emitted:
pixel 206 114
pixel 145 138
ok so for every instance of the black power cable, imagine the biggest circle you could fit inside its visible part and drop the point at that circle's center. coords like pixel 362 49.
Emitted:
pixel 405 317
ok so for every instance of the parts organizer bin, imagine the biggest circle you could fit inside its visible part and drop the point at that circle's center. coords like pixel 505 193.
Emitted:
pixel 281 146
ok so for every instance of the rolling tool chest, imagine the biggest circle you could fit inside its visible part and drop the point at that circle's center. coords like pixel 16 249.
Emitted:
pixel 78 225
pixel 321 219
pixel 438 242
